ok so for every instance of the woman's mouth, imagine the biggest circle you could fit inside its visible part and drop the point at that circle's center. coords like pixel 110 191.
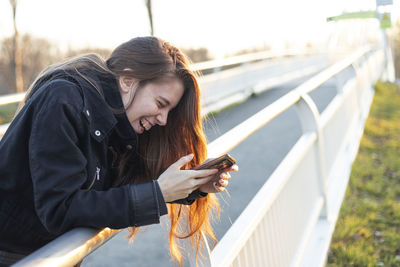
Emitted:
pixel 145 124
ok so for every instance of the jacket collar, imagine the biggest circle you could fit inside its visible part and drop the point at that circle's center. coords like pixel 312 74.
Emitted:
pixel 124 130
pixel 104 109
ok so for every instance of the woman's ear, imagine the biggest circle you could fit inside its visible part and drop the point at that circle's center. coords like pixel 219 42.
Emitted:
pixel 126 84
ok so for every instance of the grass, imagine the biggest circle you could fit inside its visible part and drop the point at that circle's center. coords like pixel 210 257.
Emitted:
pixel 367 232
pixel 7 112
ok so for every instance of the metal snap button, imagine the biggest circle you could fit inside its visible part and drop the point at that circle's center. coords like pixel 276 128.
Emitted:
pixel 97 133
pixel 129 147
pixel 87 112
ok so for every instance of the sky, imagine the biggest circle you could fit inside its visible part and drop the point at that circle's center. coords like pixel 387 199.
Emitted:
pixel 223 26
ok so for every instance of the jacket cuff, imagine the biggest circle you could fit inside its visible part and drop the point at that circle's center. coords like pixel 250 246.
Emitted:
pixel 197 194
pixel 145 203
pixel 191 198
pixel 161 202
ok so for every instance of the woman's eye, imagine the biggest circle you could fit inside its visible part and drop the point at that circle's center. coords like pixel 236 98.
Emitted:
pixel 159 104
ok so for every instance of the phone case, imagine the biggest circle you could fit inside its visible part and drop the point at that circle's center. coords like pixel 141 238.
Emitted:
pixel 222 162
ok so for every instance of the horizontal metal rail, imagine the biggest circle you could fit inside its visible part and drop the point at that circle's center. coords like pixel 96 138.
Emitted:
pixel 66 251
pixel 219 63
pixel 12 98
pixel 69 249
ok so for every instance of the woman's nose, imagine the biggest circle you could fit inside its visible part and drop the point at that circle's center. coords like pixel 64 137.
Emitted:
pixel 162 118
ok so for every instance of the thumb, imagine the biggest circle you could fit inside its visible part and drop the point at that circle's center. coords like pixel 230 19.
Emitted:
pixel 183 160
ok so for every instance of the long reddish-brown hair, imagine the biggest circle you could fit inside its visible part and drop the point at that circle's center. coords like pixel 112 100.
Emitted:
pixel 150 59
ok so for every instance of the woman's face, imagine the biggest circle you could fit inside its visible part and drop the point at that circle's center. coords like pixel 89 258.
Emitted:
pixel 151 102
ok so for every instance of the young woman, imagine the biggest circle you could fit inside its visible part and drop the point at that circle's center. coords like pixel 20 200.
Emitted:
pixel 107 144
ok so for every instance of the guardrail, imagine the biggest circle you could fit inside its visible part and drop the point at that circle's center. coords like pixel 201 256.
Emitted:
pixel 241 82
pixel 290 221
pixel 245 241
pixel 218 64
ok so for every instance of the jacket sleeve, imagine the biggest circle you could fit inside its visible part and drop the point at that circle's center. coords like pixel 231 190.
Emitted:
pixel 58 172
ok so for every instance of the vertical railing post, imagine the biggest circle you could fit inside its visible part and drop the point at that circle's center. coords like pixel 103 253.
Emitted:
pixel 340 82
pixel 309 119
pixel 360 84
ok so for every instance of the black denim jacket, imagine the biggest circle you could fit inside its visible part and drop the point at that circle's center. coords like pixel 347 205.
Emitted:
pixel 55 169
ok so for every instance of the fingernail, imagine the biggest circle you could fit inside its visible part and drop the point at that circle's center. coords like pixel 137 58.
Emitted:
pixel 190 156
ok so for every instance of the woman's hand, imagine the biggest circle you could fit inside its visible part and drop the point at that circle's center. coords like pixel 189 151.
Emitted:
pixel 218 182
pixel 177 184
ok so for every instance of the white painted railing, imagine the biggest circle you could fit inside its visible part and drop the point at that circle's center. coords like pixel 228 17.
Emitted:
pixel 227 87
pixel 285 221
pixel 12 98
pixel 218 64
pixel 290 221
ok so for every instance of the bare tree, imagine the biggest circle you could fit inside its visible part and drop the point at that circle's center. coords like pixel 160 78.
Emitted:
pixel 37 53
pixel 148 6
pixel 7 65
pixel 103 52
pixel 197 54
pixel 16 61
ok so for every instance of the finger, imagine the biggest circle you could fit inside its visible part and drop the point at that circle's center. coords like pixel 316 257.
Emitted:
pixel 225 176
pixel 203 173
pixel 183 161
pixel 203 180
pixel 233 168
pixel 223 183
pixel 218 188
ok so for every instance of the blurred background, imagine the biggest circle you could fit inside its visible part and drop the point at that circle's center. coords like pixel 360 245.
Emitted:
pixel 34 34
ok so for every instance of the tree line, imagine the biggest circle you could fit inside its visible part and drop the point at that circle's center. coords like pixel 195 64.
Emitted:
pixel 22 58
pixel 38 53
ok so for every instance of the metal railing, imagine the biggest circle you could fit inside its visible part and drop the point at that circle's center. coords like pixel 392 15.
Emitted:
pixel 218 64
pixel 12 98
pixel 69 249
pixel 288 223
pixel 241 82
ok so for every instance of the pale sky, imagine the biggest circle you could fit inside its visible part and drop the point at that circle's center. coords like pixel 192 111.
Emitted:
pixel 223 26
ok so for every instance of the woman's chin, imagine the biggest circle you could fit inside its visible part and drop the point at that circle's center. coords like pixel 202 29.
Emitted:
pixel 138 128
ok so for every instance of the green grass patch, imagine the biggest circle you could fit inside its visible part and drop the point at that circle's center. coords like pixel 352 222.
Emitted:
pixel 367 232
pixel 7 112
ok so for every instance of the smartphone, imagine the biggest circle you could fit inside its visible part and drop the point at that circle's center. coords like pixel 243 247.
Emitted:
pixel 220 163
